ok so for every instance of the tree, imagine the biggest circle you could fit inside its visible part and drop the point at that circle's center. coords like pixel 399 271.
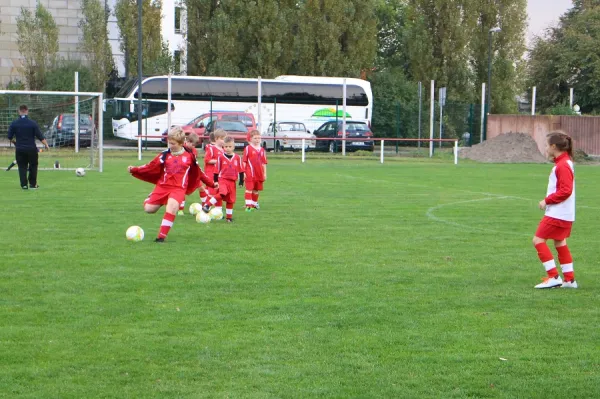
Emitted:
pixel 568 57
pixel 37 39
pixel 508 48
pixel 268 38
pixel 95 43
pixel 156 59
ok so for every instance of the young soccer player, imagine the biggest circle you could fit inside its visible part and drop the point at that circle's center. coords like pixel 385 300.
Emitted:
pixel 191 141
pixel 229 166
pixel 255 167
pixel 175 173
pixel 212 152
pixel 559 205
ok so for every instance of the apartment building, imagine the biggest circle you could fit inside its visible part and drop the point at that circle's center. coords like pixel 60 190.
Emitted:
pixel 67 14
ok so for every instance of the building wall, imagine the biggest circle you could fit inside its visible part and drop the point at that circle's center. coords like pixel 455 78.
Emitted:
pixel 67 14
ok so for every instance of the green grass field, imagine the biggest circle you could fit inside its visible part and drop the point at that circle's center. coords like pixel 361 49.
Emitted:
pixel 355 279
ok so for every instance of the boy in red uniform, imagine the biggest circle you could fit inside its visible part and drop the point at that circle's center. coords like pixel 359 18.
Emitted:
pixel 211 153
pixel 229 166
pixel 255 166
pixel 191 141
pixel 559 207
pixel 175 173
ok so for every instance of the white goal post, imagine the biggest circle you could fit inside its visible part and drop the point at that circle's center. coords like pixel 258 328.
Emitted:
pixel 72 108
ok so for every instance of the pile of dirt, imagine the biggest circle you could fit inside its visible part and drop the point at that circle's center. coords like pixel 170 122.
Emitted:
pixel 506 148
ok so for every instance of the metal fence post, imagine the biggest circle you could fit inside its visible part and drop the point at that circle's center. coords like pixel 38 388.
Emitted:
pixel 397 125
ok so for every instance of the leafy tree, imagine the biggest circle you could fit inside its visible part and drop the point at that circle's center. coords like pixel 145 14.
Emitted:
pixel 37 39
pixel 568 56
pixel 508 48
pixel 95 43
pixel 309 37
pixel 156 58
pixel 62 76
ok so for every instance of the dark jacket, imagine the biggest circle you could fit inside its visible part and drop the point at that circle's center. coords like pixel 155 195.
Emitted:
pixel 25 131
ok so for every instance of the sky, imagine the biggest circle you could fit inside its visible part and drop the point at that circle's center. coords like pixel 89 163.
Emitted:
pixel 544 13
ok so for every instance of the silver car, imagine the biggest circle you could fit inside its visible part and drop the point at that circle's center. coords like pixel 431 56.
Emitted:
pixel 284 136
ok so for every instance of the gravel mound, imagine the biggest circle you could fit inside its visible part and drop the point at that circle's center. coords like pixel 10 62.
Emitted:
pixel 506 148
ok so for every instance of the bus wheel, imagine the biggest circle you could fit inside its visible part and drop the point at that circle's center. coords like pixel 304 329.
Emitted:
pixel 277 147
pixel 264 145
pixel 332 146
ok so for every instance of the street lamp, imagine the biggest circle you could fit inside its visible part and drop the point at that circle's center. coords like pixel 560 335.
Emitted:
pixel 139 54
pixel 489 99
pixel 489 85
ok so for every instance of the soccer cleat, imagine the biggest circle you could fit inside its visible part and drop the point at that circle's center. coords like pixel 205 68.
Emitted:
pixel 34 187
pixel 180 212
pixel 248 209
pixel 229 220
pixel 24 187
pixel 159 240
pixel 569 284
pixel 550 282
pixel 205 208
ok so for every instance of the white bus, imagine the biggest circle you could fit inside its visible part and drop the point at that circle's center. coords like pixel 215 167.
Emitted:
pixel 310 100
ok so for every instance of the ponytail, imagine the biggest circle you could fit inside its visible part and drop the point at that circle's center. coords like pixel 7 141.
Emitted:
pixel 562 141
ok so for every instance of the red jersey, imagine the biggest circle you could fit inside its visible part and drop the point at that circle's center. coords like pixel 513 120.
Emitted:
pixel 229 168
pixel 175 172
pixel 211 152
pixel 254 159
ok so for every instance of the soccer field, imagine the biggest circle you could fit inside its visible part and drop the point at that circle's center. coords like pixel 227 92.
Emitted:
pixel 355 279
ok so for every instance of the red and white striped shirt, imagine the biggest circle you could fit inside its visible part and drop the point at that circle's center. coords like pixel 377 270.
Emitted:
pixel 560 196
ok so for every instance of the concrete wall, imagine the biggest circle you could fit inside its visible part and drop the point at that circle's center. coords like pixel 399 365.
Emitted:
pixel 585 130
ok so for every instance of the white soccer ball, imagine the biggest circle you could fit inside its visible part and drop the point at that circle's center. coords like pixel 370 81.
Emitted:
pixel 202 217
pixel 80 172
pixel 195 208
pixel 216 213
pixel 134 233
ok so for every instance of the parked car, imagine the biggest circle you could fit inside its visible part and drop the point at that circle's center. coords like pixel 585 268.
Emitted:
pixel 358 134
pixel 235 129
pixel 276 137
pixel 199 123
pixel 62 130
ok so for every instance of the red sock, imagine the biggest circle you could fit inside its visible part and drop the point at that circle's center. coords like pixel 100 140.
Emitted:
pixel 547 259
pixel 254 199
pixel 181 205
pixel 166 225
pixel 248 198
pixel 566 262
pixel 203 196
pixel 229 210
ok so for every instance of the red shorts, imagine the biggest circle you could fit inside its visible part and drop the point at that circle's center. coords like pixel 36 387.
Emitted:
pixel 553 229
pixel 253 185
pixel 227 190
pixel 161 195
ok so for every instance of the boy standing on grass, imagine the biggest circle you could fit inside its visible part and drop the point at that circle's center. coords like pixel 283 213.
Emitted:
pixel 175 173
pixel 559 205
pixel 212 152
pixel 255 166
pixel 228 167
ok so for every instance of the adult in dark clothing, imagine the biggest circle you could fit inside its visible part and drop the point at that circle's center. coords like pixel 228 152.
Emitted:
pixel 23 133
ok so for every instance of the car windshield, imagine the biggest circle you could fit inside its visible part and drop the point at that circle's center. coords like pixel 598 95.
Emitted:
pixel 292 127
pixel 230 126
pixel 70 119
pixel 357 127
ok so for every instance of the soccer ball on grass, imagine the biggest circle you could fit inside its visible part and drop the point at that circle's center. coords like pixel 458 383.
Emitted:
pixel 216 213
pixel 134 233
pixel 195 208
pixel 202 217
pixel 80 172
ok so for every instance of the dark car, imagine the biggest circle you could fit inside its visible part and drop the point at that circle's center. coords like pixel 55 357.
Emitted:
pixel 62 131
pixel 358 136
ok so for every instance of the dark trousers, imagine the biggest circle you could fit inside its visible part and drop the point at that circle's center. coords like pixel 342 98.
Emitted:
pixel 27 160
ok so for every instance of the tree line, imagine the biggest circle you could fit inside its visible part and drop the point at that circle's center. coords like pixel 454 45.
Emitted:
pixel 392 43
